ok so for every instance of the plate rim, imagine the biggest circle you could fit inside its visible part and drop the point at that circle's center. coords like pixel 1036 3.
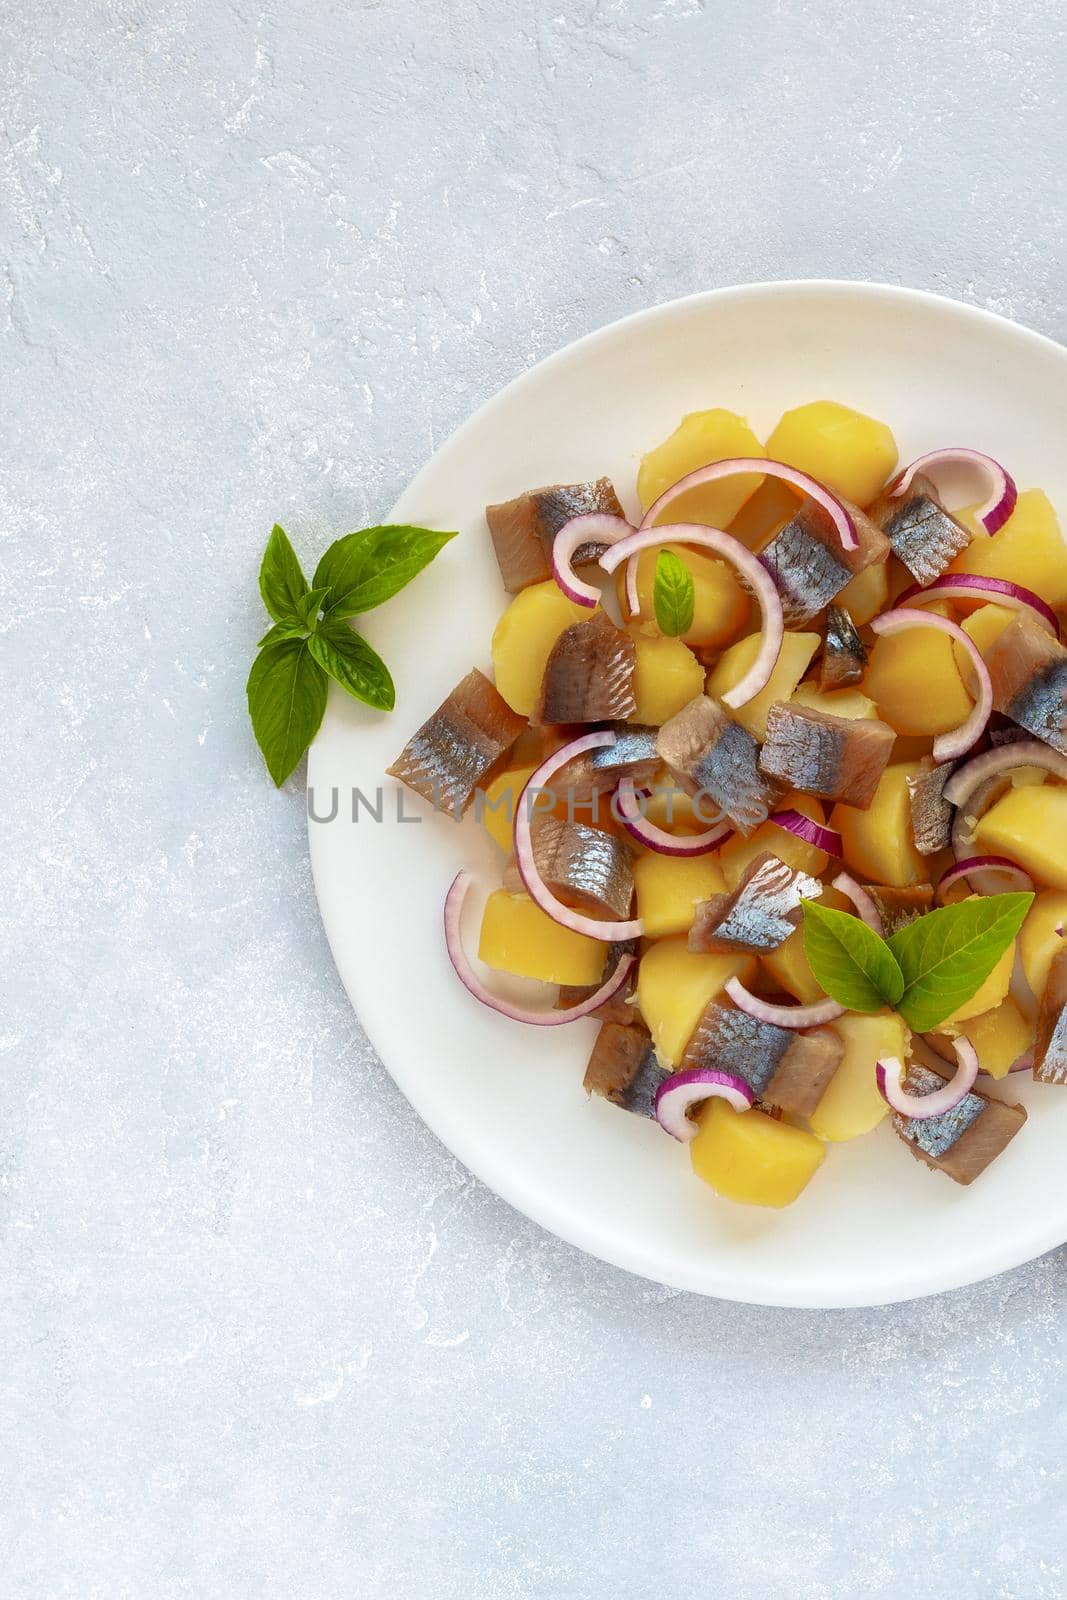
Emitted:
pixel 536 1205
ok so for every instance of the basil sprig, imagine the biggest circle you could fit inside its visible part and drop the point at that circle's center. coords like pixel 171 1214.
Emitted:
pixel 927 970
pixel 673 594
pixel 311 640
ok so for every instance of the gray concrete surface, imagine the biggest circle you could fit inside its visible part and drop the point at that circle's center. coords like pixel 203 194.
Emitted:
pixel 259 1335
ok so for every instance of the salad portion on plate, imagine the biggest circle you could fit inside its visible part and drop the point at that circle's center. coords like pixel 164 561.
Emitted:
pixel 779 781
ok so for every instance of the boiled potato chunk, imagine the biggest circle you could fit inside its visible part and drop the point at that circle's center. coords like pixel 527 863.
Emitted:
pixel 1000 1037
pixel 991 993
pixel 669 888
pixel 835 702
pixel 1029 549
pixel 795 658
pixel 497 811
pixel 770 508
pixel 865 595
pixel 984 625
pixel 1039 941
pixel 878 842
pixel 699 439
pixel 737 852
pixel 851 1104
pixel 751 1157
pixel 1029 826
pixel 850 453
pixel 670 808
pixel 673 987
pixel 667 675
pixel 720 606
pixel 523 640
pixel 790 969
pixel 518 937
pixel 915 682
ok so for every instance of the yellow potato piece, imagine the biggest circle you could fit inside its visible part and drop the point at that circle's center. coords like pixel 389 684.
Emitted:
pixel 699 439
pixel 751 1157
pixel 865 595
pixel 991 993
pixel 835 702
pixel 850 453
pixel 1029 549
pixel 878 842
pixel 496 809
pixel 1038 939
pixel 1029 826
pixel 798 650
pixel 523 640
pixel 673 987
pixel 915 682
pixel 737 852
pixel 790 969
pixel 720 605
pixel 1000 1037
pixel 670 808
pixel 770 508
pixel 667 675
pixel 518 937
pixel 851 1104
pixel 669 888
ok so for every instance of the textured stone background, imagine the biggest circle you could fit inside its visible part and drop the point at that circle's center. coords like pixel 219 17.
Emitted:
pixel 260 1335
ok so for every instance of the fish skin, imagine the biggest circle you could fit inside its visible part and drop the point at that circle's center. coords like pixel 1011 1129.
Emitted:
pixel 1050 1047
pixel 783 1068
pixel 523 529
pixel 931 814
pixel 712 756
pixel 584 867
pixel 457 748
pixel 960 1143
pixel 924 535
pixel 809 565
pixel 589 675
pixel 899 907
pixel 760 914
pixel 1028 670
pixel 844 656
pixel 621 1008
pixel 834 758
pixel 623 1069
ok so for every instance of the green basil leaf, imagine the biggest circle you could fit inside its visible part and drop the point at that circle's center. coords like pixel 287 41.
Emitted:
pixel 364 569
pixel 281 582
pixel 314 601
pixel 947 955
pixel 352 663
pixel 282 630
pixel 286 700
pixel 849 960
pixel 674 594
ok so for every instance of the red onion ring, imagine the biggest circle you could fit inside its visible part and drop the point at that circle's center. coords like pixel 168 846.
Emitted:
pixel 754 573
pixel 866 909
pixel 970 586
pixel 1023 753
pixel 454 903
pixel 890 1079
pixel 592 527
pixel 677 1096
pixel 828 840
pixel 948 746
pixel 633 819
pixel 782 1016
pixel 1003 493
pixel 996 865
pixel 809 487
pixel 536 888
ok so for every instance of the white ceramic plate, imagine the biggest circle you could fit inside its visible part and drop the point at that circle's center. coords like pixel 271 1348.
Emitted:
pixel 874 1225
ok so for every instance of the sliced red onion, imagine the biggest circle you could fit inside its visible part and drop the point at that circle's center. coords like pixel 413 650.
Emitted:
pixel 978 869
pixel 828 840
pixel 754 573
pixel 890 1078
pixel 866 909
pixel 810 487
pixel 593 527
pixel 454 903
pixel 633 819
pixel 970 586
pixel 1023 753
pixel 536 888
pixel 1002 491
pixel 677 1096
pixel 783 1016
pixel 948 746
